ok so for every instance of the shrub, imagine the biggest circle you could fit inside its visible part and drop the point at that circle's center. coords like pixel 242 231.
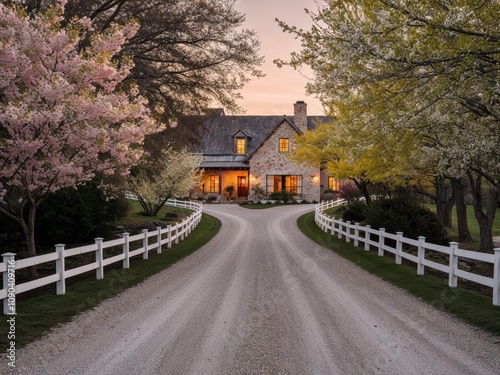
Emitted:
pixel 349 191
pixel 354 212
pixel 282 195
pixel 77 215
pixel 400 215
pixel 230 191
pixel 211 198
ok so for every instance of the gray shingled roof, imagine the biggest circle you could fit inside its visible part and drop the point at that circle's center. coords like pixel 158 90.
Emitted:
pixel 217 137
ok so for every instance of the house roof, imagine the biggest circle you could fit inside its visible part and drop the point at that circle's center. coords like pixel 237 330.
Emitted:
pixel 218 131
pixel 224 162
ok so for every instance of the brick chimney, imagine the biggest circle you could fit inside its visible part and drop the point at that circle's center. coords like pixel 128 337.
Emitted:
pixel 300 115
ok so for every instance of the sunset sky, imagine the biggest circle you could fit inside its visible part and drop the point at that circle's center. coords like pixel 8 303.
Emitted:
pixel 276 93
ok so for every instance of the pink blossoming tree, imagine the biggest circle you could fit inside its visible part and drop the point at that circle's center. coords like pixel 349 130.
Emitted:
pixel 63 118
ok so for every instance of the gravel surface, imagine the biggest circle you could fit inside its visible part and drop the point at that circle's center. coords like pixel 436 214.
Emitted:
pixel 261 298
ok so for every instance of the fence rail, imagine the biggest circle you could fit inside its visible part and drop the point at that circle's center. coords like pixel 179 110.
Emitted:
pixel 169 236
pixel 377 238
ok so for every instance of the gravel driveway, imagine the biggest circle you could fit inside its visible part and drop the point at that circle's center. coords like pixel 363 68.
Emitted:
pixel 261 298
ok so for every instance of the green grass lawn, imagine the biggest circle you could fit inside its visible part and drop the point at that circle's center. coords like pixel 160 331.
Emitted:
pixel 469 306
pixel 36 316
pixel 260 206
pixel 136 213
pixel 472 222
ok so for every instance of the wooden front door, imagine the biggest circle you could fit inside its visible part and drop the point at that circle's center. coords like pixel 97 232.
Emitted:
pixel 242 186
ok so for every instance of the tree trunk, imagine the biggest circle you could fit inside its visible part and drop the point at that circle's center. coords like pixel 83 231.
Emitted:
pixel 159 206
pixel 147 207
pixel 444 201
pixel 29 235
pixel 362 185
pixel 484 219
pixel 463 226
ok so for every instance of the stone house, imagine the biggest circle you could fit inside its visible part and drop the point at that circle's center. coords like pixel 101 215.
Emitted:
pixel 249 152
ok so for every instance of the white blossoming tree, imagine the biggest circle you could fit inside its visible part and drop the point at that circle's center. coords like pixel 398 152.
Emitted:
pixel 173 173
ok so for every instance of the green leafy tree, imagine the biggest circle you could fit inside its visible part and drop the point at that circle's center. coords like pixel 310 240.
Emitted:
pixel 426 70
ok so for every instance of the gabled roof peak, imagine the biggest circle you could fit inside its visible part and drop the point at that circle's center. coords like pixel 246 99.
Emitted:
pixel 241 133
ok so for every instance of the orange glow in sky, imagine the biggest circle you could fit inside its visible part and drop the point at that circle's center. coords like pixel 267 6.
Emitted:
pixel 281 87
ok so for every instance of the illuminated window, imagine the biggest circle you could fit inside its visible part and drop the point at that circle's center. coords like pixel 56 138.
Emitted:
pixel 214 184
pixel 290 183
pixel 284 145
pixel 333 184
pixel 241 146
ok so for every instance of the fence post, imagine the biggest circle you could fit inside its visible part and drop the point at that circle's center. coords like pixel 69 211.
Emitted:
pixel 367 237
pixel 381 240
pixel 9 283
pixel 421 255
pixel 332 229
pixel 169 236
pixel 348 232
pixel 356 234
pixel 145 255
pixel 158 240
pixel 126 249
pixel 399 247
pixel 453 279
pixel 176 234
pixel 99 272
pixel 340 229
pixel 61 284
pixel 496 278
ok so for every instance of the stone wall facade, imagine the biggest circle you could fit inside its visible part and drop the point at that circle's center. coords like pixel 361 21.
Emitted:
pixel 267 160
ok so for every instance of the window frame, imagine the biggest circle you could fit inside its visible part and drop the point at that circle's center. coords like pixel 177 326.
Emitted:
pixel 333 183
pixel 214 184
pixel 278 182
pixel 281 143
pixel 240 146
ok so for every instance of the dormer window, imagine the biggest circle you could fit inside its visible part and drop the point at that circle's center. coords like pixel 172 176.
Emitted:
pixel 241 142
pixel 240 146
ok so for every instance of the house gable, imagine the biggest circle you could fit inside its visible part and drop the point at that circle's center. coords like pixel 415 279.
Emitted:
pixel 283 123
pixel 267 159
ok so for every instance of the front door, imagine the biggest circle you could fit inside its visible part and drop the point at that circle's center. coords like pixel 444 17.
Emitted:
pixel 242 186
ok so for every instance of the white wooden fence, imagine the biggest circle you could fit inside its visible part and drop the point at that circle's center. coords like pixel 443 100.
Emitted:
pixel 362 234
pixel 168 236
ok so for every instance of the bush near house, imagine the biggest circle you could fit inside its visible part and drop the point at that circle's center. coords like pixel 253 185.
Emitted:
pixel 282 195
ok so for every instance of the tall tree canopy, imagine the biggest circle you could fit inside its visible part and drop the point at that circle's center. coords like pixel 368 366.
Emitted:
pixel 189 55
pixel 429 68
pixel 62 119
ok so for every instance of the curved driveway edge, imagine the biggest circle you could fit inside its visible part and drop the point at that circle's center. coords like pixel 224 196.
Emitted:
pixel 261 298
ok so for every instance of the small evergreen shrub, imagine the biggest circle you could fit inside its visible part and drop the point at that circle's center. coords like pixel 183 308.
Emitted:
pixel 401 215
pixel 282 195
pixel 72 216
pixel 354 212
